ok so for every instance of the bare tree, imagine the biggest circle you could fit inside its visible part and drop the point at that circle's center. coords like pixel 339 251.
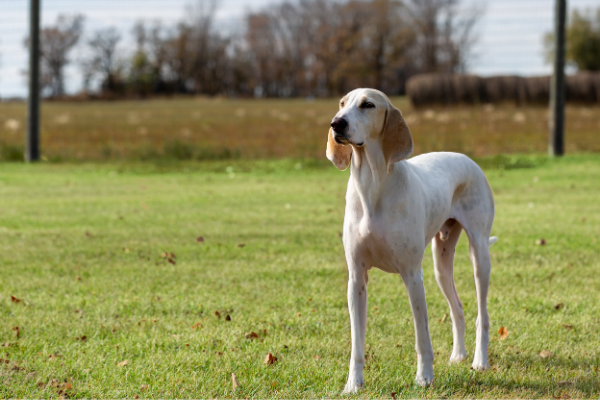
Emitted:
pixel 444 34
pixel 55 44
pixel 103 62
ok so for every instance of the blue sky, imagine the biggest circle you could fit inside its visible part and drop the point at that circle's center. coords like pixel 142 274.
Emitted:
pixel 509 34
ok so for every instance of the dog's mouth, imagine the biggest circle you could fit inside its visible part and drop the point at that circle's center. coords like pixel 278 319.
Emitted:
pixel 340 139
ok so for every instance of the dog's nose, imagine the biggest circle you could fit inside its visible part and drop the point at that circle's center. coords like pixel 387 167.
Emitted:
pixel 339 124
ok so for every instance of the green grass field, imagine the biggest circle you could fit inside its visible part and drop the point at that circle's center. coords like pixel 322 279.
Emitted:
pixel 102 314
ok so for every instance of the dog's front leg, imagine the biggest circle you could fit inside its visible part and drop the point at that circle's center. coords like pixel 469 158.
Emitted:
pixel 413 280
pixel 357 307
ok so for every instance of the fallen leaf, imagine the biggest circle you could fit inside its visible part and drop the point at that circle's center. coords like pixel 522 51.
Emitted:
pixel 270 359
pixel 17 331
pixel 559 306
pixel 173 255
pixel 567 326
pixel 123 363
pixel 228 318
pixel 565 396
pixel 3 361
pixel 503 332
pixel 541 242
pixel 66 386
pixel 164 255
pixel 53 383
pixel 196 325
pixel 78 278
pixel 394 395
pixel 444 318
pixel 241 244
pixel 217 314
pixel 170 260
pixel 317 357
pixel 41 384
pixel 82 338
pixel 234 381
pixel 299 314
pixel 88 234
pixel 143 388
pixel 199 239
pixel 14 299
pixel 265 332
pixel 546 354
pixel 251 335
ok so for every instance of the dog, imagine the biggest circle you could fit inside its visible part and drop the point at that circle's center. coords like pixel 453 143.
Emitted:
pixel 394 208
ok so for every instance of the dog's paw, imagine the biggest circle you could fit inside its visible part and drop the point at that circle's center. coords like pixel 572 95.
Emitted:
pixel 480 365
pixel 457 357
pixel 424 380
pixel 353 385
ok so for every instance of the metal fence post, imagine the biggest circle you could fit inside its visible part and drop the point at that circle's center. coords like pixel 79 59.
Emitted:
pixel 556 142
pixel 32 142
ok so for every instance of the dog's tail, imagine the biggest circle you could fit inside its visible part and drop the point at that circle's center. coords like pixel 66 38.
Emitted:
pixel 492 240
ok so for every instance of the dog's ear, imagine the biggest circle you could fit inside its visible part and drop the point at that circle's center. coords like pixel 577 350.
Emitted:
pixel 397 143
pixel 338 154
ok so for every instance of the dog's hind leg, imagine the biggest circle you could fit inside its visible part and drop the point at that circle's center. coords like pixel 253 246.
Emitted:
pixel 480 257
pixel 443 247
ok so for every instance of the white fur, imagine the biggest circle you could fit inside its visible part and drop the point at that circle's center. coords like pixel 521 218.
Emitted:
pixel 391 218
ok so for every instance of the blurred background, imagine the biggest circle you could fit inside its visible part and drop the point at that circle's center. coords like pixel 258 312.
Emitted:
pixel 210 79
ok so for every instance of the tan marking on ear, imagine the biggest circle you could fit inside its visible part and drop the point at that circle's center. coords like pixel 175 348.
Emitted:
pixel 338 154
pixel 397 143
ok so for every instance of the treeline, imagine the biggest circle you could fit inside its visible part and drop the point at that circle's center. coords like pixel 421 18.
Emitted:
pixel 293 48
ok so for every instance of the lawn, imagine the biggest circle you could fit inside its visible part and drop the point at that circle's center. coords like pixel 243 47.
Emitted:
pixel 140 279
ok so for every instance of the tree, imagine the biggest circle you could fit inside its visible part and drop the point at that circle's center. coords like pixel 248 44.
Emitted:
pixel 56 42
pixel 583 41
pixel 102 62
pixel 444 34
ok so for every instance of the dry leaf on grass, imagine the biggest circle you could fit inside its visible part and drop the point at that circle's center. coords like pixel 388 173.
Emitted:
pixel 251 335
pixel 234 381
pixel 241 244
pixel 503 332
pixel 394 395
pixel 545 354
pixel 567 326
pixel 123 363
pixel 317 357
pixel 171 261
pixel 14 299
pixel 82 338
pixel 228 318
pixel 17 331
pixel 270 359
pixel 143 388
pixel 559 306
pixel 541 242
pixel 196 325
pixel 217 314
pixel 200 239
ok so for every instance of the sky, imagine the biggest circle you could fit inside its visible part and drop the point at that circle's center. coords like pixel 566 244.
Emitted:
pixel 509 34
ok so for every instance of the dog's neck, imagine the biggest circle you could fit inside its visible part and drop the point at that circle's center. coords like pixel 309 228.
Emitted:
pixel 369 172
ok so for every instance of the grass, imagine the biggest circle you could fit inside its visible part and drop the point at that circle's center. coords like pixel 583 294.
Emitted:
pixel 209 129
pixel 81 247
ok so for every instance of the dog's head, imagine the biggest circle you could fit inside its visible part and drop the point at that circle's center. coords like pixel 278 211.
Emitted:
pixel 366 115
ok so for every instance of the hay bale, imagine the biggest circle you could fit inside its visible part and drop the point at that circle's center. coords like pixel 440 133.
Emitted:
pixel 448 89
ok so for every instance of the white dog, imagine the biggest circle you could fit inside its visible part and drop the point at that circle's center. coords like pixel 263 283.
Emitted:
pixel 394 207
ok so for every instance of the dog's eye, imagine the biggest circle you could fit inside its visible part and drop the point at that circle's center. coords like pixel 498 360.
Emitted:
pixel 366 104
pixel 341 104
